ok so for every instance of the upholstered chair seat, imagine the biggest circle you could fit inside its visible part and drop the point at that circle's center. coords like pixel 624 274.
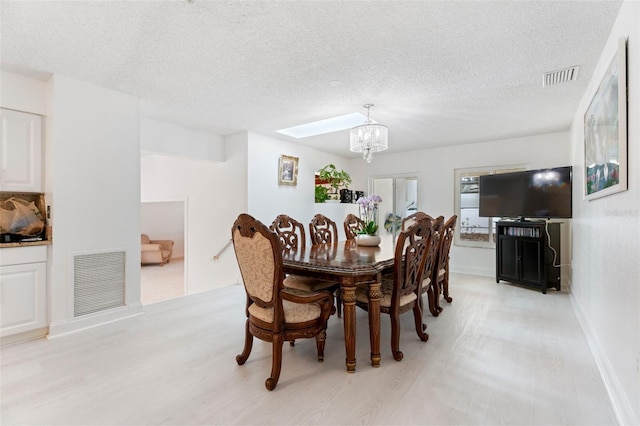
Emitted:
pixel 386 289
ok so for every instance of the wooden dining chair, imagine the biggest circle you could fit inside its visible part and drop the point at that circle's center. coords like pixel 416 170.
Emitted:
pixel 428 285
pixel 441 270
pixel 401 290
pixel 413 218
pixel 274 313
pixel 352 226
pixel 293 240
pixel 322 230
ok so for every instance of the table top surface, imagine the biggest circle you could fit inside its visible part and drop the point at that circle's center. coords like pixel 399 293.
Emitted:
pixel 343 256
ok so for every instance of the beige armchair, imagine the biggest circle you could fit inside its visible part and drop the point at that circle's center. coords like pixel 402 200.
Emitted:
pixel 155 251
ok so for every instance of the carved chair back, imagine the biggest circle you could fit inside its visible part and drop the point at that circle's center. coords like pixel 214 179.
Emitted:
pixel 413 218
pixel 291 233
pixel 445 243
pixel 352 226
pixel 440 275
pixel 322 230
pixel 259 258
pixel 437 226
pixel 412 247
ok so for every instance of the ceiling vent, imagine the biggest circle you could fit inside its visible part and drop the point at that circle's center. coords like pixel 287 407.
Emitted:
pixel 560 76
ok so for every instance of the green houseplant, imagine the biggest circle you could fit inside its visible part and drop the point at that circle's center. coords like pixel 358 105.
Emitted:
pixel 331 179
pixel 334 177
pixel 322 194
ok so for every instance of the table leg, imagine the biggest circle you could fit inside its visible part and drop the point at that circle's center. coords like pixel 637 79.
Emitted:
pixel 349 320
pixel 374 321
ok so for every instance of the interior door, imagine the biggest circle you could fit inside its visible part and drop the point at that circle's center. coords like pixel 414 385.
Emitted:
pixel 399 199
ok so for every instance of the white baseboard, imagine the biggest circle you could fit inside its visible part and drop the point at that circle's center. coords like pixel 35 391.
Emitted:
pixel 61 328
pixel 619 400
pixel 24 336
pixel 483 272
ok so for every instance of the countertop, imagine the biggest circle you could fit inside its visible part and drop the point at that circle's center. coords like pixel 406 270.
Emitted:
pixel 25 244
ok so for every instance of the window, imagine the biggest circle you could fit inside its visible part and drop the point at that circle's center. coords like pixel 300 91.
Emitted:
pixel 473 230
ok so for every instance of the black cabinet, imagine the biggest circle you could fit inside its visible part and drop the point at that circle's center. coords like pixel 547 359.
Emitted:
pixel 523 255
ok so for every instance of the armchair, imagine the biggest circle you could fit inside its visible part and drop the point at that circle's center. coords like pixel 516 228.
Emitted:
pixel 155 251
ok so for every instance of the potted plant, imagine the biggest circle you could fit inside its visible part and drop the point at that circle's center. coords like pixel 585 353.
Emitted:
pixel 335 178
pixel 368 206
pixel 322 194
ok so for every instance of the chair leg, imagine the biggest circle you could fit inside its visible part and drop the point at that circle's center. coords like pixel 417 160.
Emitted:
pixel 421 302
pixel 420 326
pixel 395 337
pixel 438 291
pixel 320 340
pixel 432 295
pixel 339 302
pixel 276 362
pixel 248 344
pixel 445 287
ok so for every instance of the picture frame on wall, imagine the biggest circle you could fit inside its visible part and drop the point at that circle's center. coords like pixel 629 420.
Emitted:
pixel 288 170
pixel 605 131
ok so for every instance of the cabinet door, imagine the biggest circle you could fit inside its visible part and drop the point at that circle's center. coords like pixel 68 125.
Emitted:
pixel 22 298
pixel 507 258
pixel 532 262
pixel 20 151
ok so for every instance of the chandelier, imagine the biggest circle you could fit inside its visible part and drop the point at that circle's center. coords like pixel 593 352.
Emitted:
pixel 369 138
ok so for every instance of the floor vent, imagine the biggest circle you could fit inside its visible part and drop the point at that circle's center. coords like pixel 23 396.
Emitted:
pixel 98 282
pixel 560 76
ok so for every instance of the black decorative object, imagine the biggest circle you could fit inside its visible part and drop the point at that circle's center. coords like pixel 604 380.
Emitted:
pixel 346 196
pixel 358 194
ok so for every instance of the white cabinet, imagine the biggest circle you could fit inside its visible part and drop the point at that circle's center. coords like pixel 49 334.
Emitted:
pixel 23 290
pixel 20 151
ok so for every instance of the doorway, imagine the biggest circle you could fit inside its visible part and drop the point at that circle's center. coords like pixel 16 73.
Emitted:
pixel 399 199
pixel 164 220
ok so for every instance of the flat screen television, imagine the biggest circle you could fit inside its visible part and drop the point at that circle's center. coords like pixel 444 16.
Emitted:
pixel 543 193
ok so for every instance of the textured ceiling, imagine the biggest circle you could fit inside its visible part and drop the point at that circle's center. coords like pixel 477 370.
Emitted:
pixel 439 73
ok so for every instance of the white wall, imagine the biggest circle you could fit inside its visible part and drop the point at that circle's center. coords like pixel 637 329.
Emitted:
pixel 606 249
pixel 267 199
pixel 435 171
pixel 174 139
pixel 94 171
pixel 215 193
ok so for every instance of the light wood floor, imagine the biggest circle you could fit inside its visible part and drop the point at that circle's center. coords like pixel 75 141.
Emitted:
pixel 498 355
pixel 160 283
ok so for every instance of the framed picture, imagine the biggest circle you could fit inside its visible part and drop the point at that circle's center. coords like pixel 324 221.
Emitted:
pixel 288 170
pixel 605 132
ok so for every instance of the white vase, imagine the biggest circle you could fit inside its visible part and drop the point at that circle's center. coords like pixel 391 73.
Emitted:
pixel 367 240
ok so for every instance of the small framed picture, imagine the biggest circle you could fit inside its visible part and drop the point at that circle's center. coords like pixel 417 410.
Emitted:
pixel 288 170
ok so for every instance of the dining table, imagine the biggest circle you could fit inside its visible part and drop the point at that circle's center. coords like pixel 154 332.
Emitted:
pixel 350 265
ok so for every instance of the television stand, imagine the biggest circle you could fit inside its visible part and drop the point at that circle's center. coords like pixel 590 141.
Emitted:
pixel 523 255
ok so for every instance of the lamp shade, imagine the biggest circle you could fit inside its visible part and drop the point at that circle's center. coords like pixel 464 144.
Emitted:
pixel 369 137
